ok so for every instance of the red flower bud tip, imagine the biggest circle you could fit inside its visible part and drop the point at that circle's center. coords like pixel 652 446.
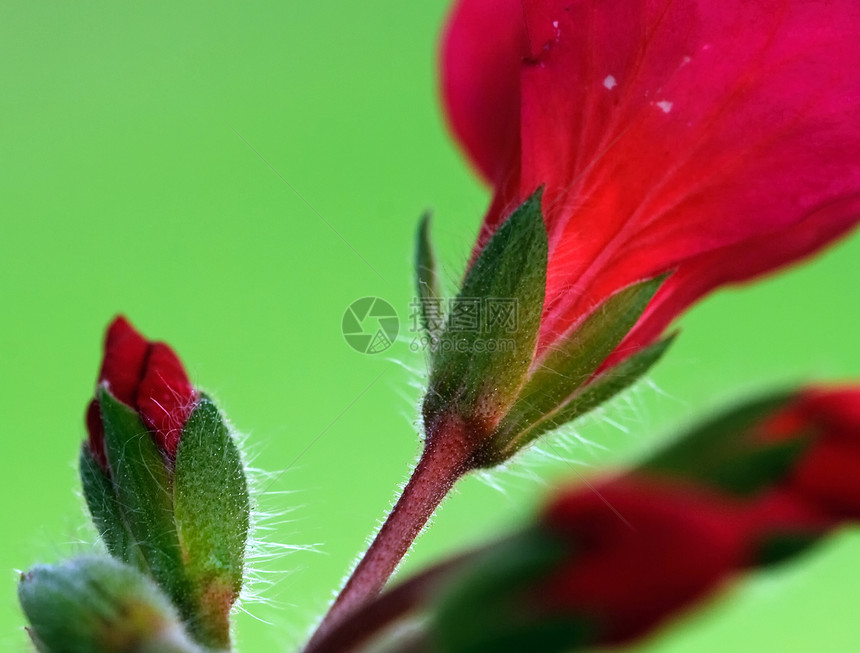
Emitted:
pixel 147 376
pixel 630 116
pixel 827 475
pixel 639 551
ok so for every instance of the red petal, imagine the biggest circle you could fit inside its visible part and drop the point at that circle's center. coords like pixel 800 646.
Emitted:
pixel 166 397
pixel 829 477
pixel 717 139
pixel 124 357
pixel 835 411
pixel 485 36
pixel 754 257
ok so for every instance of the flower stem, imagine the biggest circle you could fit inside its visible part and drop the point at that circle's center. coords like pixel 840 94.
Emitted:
pixel 444 460
pixel 390 607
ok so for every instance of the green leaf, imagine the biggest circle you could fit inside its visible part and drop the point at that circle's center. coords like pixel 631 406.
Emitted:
pixel 212 508
pixel 479 368
pixel 505 444
pixel 721 452
pixel 99 605
pixel 427 283
pixel 104 507
pixel 143 487
pixel 570 363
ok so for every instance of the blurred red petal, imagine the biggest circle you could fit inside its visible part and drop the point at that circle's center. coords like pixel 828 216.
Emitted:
pixel 835 410
pixel 783 510
pixel 829 476
pixel 640 551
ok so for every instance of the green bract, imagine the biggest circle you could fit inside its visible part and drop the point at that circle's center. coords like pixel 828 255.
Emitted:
pixel 183 523
pixel 469 376
pixel 489 379
pixel 723 454
pixel 427 281
pixel 211 507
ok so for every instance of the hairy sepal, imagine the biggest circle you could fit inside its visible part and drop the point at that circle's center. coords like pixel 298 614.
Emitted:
pixel 471 376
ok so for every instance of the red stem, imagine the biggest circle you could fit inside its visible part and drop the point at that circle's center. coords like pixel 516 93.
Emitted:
pixel 444 460
pixel 388 608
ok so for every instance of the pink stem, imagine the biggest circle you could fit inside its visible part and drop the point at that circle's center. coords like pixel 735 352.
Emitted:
pixel 444 460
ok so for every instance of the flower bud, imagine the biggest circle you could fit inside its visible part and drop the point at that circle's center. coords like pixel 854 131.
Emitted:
pixel 165 482
pixel 793 457
pixel 99 605
pixel 828 422
pixel 148 377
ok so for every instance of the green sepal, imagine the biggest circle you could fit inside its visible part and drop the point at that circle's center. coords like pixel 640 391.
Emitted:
pixel 504 444
pixel 477 373
pixel 492 607
pixel 99 605
pixel 144 490
pixel 427 284
pixel 722 454
pixel 103 504
pixel 571 362
pixel 211 508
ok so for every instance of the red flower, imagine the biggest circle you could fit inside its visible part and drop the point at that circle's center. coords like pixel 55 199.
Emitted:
pixel 714 139
pixel 658 548
pixel 147 376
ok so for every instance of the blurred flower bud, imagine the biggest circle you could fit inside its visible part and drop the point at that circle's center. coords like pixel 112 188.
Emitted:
pixel 793 457
pixel 99 605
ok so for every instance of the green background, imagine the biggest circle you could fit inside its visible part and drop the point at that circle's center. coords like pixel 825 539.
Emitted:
pixel 132 146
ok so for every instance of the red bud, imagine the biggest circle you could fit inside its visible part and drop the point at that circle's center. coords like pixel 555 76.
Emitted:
pixel 147 376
